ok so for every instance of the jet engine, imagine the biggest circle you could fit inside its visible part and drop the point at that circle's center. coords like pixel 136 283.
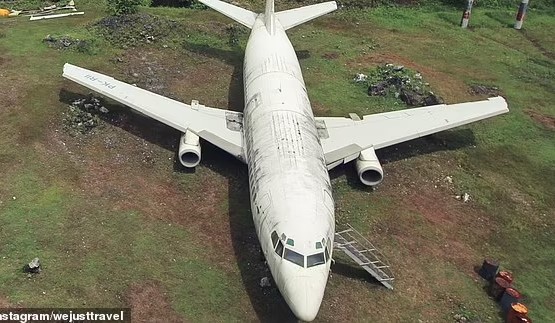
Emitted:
pixel 189 149
pixel 369 169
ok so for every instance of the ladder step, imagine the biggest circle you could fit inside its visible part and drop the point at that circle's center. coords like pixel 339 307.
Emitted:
pixel 367 250
pixel 369 263
pixel 344 231
pixel 380 267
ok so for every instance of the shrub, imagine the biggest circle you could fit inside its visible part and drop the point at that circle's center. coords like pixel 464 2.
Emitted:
pixel 124 7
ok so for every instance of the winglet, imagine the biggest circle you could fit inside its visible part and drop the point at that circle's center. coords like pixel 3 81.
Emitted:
pixel 243 16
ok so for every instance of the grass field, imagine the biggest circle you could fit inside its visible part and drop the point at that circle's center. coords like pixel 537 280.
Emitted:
pixel 117 222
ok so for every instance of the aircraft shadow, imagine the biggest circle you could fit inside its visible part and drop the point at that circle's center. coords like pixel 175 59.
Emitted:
pixel 233 58
pixel 353 271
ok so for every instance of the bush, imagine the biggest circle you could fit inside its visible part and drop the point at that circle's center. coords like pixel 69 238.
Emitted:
pixel 124 7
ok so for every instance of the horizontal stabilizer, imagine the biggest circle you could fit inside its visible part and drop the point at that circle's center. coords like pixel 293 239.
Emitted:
pixel 242 16
pixel 294 17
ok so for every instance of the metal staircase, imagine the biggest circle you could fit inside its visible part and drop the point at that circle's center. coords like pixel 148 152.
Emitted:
pixel 365 254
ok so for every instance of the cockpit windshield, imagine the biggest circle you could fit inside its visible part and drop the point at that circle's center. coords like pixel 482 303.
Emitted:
pixel 315 260
pixel 294 257
pixel 280 244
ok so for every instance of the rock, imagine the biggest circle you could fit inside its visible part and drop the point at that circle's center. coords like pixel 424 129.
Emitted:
pixel 398 68
pixel 449 179
pixel 479 89
pixel 432 99
pixel 411 98
pixel 378 89
pixel 265 282
pixel 466 197
pixel 82 115
pixel 359 78
pixel 135 75
pixel 33 267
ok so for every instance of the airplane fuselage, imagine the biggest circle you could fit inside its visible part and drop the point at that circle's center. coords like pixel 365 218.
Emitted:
pixel 290 189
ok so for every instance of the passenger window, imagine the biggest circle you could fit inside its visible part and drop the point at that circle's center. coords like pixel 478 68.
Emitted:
pixel 294 257
pixel 290 242
pixel 314 260
pixel 318 245
pixel 275 239
pixel 279 249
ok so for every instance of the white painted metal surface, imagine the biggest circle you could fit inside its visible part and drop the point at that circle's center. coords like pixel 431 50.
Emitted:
pixel 287 150
pixel 60 15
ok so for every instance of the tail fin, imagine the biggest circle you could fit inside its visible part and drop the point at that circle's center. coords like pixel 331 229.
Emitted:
pixel 269 17
pixel 294 17
pixel 243 16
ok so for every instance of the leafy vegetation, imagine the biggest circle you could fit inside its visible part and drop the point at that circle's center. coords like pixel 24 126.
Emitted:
pixel 125 7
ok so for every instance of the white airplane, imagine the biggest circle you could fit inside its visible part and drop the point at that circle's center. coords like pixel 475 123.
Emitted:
pixel 287 150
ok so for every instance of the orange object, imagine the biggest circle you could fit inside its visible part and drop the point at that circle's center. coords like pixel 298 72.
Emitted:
pixel 4 13
pixel 507 275
pixel 518 313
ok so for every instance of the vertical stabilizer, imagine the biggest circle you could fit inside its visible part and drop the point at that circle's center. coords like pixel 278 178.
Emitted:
pixel 269 17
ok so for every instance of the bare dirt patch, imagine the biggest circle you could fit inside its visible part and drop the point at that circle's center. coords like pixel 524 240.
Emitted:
pixel 150 303
pixel 446 85
pixel 4 303
pixel 184 76
pixel 10 91
pixel 330 55
pixel 542 119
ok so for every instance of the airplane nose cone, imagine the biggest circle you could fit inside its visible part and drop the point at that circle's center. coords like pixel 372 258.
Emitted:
pixel 304 296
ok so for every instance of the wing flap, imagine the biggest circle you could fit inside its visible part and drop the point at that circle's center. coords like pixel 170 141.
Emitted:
pixel 346 137
pixel 208 123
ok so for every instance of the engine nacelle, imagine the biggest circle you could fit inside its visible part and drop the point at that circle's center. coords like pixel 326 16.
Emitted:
pixel 189 150
pixel 369 168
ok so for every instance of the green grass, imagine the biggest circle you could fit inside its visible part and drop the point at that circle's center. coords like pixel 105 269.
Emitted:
pixel 92 252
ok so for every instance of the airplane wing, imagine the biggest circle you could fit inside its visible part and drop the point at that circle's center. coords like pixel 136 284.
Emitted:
pixel 222 128
pixel 344 138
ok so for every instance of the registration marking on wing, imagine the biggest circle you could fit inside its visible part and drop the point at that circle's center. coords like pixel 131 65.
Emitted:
pixel 101 82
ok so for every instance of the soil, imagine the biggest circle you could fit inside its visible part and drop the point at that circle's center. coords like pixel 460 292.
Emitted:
pixel 331 55
pixel 542 119
pixel 149 303
pixel 4 303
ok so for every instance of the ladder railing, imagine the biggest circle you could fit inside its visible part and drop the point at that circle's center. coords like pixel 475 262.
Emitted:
pixel 365 254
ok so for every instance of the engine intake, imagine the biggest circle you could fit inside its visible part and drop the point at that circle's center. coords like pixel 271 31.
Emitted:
pixel 369 168
pixel 189 150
